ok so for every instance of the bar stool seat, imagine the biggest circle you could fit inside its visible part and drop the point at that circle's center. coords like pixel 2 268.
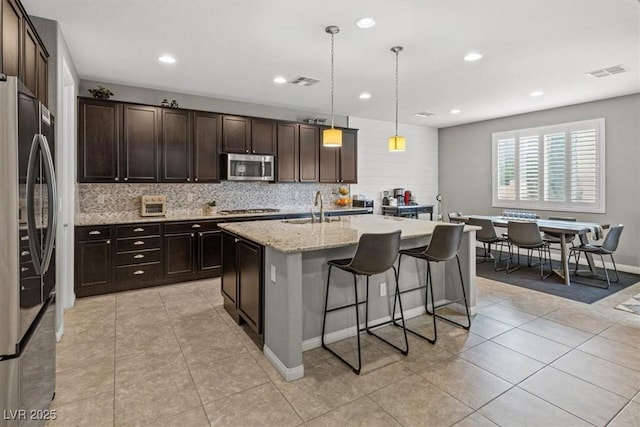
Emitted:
pixel 375 254
pixel 445 243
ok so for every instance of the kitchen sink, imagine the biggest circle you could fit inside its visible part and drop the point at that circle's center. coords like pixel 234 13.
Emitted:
pixel 309 220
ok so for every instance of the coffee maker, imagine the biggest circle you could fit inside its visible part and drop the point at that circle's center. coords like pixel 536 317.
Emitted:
pixel 398 194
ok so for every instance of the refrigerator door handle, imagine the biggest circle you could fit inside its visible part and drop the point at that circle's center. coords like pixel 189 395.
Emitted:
pixel 52 196
pixel 34 244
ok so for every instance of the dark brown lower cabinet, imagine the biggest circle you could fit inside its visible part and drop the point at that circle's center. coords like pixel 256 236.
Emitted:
pixel 209 251
pixel 179 254
pixel 93 267
pixel 243 281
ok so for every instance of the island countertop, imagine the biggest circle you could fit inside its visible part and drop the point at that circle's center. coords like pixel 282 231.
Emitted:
pixel 290 236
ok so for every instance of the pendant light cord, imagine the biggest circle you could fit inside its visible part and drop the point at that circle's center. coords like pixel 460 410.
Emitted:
pixel 332 73
pixel 397 85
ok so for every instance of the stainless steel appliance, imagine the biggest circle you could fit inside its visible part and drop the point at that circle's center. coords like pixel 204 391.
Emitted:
pixel 27 313
pixel 248 167
pixel 364 203
pixel 398 193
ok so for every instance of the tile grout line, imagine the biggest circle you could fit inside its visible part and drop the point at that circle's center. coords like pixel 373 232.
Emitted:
pixel 115 349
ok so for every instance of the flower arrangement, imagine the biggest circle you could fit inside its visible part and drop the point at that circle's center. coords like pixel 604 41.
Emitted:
pixel 100 92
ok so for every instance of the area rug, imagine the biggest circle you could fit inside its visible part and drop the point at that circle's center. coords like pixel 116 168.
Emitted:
pixel 631 305
pixel 529 277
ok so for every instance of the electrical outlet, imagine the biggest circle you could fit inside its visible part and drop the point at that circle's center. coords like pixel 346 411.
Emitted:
pixel 383 289
pixel 101 199
pixel 273 273
pixel 189 197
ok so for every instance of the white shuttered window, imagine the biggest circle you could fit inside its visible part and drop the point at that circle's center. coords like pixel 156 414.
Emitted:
pixel 559 167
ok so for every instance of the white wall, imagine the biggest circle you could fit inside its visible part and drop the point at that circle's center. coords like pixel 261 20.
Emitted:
pixel 415 169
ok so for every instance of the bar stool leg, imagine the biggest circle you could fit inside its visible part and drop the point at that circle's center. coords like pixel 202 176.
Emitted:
pixel 326 301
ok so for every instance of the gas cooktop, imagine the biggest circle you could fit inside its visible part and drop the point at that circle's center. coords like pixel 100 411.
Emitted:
pixel 247 211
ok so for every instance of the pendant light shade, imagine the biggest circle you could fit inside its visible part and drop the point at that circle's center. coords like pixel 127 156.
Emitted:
pixel 332 137
pixel 397 142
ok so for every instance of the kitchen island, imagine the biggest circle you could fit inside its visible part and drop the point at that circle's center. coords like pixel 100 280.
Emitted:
pixel 294 268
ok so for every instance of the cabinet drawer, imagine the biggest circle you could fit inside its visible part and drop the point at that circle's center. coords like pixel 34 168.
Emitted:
pixel 27 270
pixel 136 244
pixel 93 233
pixel 138 230
pixel 139 273
pixel 190 227
pixel 138 257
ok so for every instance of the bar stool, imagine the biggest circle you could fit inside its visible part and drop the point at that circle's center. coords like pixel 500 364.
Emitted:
pixel 444 245
pixel 375 254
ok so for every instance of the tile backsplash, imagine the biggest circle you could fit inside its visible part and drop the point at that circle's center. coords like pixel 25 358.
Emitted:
pixel 125 198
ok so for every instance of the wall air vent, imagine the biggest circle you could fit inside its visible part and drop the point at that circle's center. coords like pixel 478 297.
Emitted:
pixel 424 114
pixel 609 71
pixel 304 81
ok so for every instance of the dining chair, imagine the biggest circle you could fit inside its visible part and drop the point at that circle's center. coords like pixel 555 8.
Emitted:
pixel 608 247
pixel 454 216
pixel 487 235
pixel 375 254
pixel 526 235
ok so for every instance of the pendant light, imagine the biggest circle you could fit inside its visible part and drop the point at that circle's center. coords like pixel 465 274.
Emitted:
pixel 397 142
pixel 332 137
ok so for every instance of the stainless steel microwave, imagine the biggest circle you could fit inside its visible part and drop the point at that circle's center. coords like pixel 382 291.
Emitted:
pixel 248 167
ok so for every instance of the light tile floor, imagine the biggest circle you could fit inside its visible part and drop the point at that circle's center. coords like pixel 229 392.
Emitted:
pixel 172 356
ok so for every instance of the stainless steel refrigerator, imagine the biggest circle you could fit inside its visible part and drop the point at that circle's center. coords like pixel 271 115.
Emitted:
pixel 28 213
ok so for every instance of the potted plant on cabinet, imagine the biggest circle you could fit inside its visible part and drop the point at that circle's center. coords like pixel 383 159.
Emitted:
pixel 100 92
pixel 211 207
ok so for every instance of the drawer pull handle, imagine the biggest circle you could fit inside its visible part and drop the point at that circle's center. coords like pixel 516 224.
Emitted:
pixel 138 243
pixel 138 230
pixel 24 253
pixel 108 242
pixel 23 269
pixel 23 238
pixel 137 272
pixel 138 256
pixel 94 233
pixel 196 226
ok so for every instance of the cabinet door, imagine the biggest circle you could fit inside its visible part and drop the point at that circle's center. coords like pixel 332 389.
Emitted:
pixel 287 152
pixel 93 268
pixel 209 250
pixel 236 134
pixel 329 164
pixel 12 28
pixel 98 141
pixel 229 267
pixel 263 137
pixel 309 148
pixel 179 254
pixel 207 131
pixel 43 77
pixel 250 284
pixel 30 59
pixel 349 157
pixel 176 146
pixel 140 143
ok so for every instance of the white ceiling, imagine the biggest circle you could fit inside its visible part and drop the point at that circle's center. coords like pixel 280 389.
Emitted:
pixel 233 49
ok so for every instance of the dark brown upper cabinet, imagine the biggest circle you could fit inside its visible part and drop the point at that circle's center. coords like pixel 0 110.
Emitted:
pixel 297 152
pixel 140 143
pixel 22 54
pixel 340 164
pixel 99 136
pixel 248 136
pixel 176 145
pixel 190 146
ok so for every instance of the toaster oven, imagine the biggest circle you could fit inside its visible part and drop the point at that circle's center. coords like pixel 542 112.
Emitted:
pixel 153 205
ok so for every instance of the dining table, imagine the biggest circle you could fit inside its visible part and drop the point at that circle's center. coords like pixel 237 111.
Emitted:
pixel 563 228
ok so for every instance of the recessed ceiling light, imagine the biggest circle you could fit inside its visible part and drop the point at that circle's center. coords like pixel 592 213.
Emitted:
pixel 365 95
pixel 366 22
pixel 536 93
pixel 455 111
pixel 473 56
pixel 167 59
pixel 424 114
pixel 279 79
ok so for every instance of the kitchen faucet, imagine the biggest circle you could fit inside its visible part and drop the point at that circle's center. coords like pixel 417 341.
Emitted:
pixel 319 196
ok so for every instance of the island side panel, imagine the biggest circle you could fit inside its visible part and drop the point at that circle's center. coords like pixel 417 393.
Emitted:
pixel 467 255
pixel 283 313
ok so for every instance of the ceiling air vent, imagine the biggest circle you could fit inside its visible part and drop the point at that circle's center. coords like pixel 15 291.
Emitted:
pixel 304 81
pixel 424 114
pixel 609 71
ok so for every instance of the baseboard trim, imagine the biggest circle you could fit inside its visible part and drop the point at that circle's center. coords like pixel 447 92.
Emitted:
pixel 289 374
pixel 60 333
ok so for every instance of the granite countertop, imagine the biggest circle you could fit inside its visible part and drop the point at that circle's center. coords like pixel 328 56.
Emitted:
pixel 183 215
pixel 294 236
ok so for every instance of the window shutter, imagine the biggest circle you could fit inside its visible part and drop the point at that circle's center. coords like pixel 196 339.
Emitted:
pixel 584 166
pixel 506 169
pixel 529 168
pixel 555 167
